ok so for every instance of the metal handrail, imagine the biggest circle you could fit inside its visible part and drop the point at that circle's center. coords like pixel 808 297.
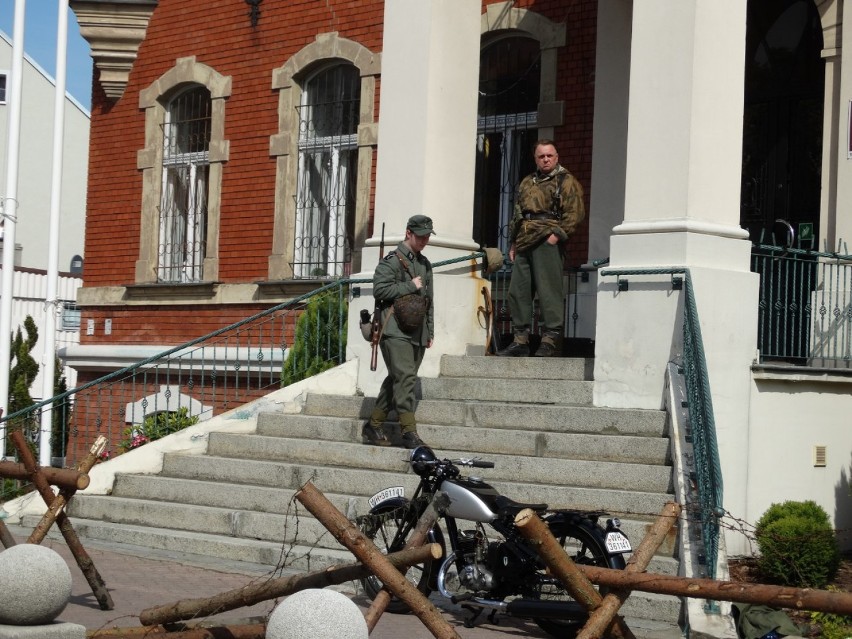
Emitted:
pixel 701 416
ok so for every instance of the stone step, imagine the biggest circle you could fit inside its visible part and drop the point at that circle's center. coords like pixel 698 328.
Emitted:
pixel 591 446
pixel 516 368
pixel 249 524
pixel 244 497
pixel 365 482
pixel 544 470
pixel 547 418
pixel 501 414
pixel 524 391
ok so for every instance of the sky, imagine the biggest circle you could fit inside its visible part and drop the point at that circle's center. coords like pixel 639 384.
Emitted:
pixel 40 32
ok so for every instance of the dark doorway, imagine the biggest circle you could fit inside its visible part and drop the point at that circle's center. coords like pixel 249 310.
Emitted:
pixel 509 78
pixel 782 122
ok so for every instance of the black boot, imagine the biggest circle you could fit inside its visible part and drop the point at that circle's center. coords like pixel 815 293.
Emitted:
pixel 374 435
pixel 520 347
pixel 547 348
pixel 412 440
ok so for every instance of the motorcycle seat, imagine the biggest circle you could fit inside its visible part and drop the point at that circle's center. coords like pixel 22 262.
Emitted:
pixel 510 506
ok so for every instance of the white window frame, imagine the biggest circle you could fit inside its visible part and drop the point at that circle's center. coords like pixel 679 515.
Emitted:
pixel 182 265
pixel 309 256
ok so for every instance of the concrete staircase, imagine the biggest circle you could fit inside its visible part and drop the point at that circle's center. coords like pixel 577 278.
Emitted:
pixel 532 417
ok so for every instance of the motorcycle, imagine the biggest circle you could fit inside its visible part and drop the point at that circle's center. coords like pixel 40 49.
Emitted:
pixel 492 569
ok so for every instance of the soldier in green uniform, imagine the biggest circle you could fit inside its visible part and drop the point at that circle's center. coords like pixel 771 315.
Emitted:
pixel 404 340
pixel 548 209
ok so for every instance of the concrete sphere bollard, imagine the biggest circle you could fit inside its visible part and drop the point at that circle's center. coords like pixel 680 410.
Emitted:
pixel 36 585
pixel 319 614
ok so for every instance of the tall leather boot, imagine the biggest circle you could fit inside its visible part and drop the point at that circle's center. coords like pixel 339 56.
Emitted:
pixel 408 424
pixel 373 431
pixel 548 346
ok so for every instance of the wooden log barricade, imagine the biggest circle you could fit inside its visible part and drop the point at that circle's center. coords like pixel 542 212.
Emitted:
pixel 62 477
pixel 434 510
pixel 246 631
pixel 364 549
pixel 271 589
pixel 601 618
pixel 775 596
pixel 84 561
pixel 5 536
pixel 553 554
pixel 634 578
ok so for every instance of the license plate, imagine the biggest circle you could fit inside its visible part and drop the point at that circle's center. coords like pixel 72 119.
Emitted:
pixel 617 542
pixel 385 494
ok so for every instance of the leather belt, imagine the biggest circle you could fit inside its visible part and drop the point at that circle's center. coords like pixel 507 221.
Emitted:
pixel 531 215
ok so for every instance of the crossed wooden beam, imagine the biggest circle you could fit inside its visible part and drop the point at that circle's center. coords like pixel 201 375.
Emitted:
pixel 69 482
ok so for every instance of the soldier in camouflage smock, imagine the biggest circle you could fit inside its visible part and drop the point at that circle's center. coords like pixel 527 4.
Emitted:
pixel 548 209
pixel 402 272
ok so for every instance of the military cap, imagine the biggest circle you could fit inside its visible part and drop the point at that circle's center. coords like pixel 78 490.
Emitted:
pixel 420 225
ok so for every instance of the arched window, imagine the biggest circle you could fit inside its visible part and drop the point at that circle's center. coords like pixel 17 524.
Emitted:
pixel 183 207
pixel 509 89
pixel 326 181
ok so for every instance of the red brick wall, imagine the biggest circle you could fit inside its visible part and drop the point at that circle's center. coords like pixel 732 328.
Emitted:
pixel 218 33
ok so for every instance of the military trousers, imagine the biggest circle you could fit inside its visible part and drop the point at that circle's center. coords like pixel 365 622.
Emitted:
pixel 403 360
pixel 537 271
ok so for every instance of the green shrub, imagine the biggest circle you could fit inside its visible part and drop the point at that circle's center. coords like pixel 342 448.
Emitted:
pixel 155 427
pixel 320 340
pixel 797 545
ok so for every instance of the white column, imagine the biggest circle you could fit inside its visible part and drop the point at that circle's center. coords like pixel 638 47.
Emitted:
pixel 839 227
pixel 681 208
pixel 426 162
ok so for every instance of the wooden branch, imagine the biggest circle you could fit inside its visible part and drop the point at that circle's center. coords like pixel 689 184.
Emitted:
pixel 62 477
pixel 433 512
pixel 775 596
pixel 249 631
pixel 553 554
pixel 85 562
pixel 65 494
pixel 602 617
pixel 364 549
pixel 5 536
pixel 270 589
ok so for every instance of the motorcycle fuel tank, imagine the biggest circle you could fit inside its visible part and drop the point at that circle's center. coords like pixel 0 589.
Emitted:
pixel 469 499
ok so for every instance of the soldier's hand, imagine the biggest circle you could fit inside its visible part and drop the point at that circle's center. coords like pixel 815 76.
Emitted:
pixel 417 282
pixel 553 239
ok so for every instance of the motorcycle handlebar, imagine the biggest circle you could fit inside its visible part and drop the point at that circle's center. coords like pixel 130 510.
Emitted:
pixel 481 464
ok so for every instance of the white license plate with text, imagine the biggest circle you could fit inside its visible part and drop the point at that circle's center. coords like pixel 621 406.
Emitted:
pixel 385 494
pixel 617 542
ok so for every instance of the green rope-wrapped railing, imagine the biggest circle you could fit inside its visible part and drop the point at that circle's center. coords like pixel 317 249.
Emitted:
pixel 701 417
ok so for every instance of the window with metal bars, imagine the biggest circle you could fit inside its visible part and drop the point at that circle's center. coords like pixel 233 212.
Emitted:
pixel 328 155
pixel 509 82
pixel 2 88
pixel 183 207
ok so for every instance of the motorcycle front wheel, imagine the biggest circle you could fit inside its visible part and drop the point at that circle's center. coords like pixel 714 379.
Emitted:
pixel 584 544
pixel 389 527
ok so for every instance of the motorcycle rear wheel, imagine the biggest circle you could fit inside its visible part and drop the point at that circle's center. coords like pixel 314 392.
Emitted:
pixel 389 528
pixel 584 544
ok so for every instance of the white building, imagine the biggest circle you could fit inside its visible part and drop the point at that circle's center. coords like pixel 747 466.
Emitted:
pixel 34 203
